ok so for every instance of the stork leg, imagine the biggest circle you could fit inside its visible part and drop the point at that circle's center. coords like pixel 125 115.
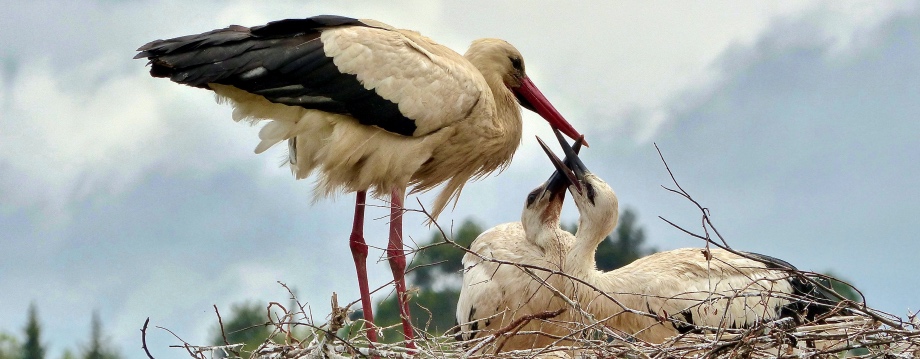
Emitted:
pixel 359 252
pixel 397 258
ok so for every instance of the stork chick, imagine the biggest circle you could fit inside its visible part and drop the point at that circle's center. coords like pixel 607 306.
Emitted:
pixel 691 288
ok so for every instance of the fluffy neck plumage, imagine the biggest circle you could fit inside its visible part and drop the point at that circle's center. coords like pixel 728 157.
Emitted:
pixel 597 219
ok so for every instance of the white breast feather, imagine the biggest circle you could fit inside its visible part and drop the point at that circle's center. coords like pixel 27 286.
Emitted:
pixel 503 293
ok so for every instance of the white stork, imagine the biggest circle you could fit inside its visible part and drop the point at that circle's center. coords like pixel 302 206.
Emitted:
pixel 494 295
pixel 692 291
pixel 368 107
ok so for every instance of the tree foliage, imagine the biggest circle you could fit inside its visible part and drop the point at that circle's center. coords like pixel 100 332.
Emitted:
pixel 33 348
pixel 437 261
pixel 99 346
pixel 9 346
pixel 844 290
pixel 430 310
pixel 626 244
pixel 437 276
pixel 246 324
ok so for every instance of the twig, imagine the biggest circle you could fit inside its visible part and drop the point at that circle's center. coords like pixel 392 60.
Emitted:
pixel 220 323
pixel 144 338
pixel 519 323
pixel 590 338
pixel 707 223
pixel 188 347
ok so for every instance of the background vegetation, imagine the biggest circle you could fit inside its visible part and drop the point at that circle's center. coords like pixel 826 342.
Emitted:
pixel 435 275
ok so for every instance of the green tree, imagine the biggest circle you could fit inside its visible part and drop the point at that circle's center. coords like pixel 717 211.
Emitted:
pixel 246 324
pixel 33 347
pixel 443 260
pixel 9 346
pixel 436 274
pixel 99 346
pixel 843 289
pixel 625 245
pixel 438 315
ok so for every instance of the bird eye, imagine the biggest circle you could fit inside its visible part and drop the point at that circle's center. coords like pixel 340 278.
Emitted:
pixel 590 192
pixel 532 197
pixel 517 63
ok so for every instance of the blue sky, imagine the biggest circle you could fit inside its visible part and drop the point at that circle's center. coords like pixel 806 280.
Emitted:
pixel 795 123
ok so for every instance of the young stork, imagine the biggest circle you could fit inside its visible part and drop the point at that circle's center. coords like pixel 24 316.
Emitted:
pixel 494 295
pixel 693 292
pixel 368 107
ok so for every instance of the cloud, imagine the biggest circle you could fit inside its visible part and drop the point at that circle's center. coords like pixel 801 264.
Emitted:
pixel 147 200
pixel 67 143
pixel 802 150
pixel 638 55
pixel 86 132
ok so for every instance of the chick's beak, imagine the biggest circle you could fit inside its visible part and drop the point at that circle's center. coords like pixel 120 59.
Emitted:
pixel 563 177
pixel 571 158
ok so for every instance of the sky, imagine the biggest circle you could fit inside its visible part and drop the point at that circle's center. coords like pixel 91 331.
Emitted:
pixel 795 123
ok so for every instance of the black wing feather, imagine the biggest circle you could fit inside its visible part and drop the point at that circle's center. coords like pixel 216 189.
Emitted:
pixel 815 301
pixel 283 61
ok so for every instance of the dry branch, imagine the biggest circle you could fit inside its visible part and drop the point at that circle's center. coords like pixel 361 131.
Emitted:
pixel 853 326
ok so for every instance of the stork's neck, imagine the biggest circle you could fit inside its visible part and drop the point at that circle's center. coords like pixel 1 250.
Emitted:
pixel 542 231
pixel 507 109
pixel 555 243
pixel 597 219
pixel 604 294
pixel 580 260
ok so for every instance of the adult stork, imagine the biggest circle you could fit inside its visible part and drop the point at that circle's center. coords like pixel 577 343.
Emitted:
pixel 694 290
pixel 368 107
pixel 496 292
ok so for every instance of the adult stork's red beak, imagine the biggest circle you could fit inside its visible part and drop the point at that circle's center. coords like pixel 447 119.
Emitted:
pixel 532 99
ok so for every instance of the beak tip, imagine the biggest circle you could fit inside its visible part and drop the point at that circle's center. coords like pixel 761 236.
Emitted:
pixel 581 139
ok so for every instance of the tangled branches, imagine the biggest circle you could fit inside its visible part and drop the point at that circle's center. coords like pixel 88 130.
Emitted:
pixel 844 327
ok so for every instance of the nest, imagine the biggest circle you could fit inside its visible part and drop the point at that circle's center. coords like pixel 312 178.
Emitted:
pixel 865 333
pixel 852 329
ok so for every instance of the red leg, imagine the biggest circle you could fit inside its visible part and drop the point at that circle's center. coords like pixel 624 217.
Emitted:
pixel 359 252
pixel 397 258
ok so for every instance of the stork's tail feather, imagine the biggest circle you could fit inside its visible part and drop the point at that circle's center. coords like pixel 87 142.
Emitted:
pixel 815 300
pixel 185 59
pixel 231 53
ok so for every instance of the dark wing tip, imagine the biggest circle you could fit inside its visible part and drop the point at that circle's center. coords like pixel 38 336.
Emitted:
pixel 816 301
pixel 771 262
pixel 294 26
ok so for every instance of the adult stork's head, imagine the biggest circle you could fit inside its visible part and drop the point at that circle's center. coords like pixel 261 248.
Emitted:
pixel 496 57
pixel 597 203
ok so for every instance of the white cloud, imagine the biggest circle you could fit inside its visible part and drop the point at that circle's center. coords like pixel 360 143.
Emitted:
pixel 848 25
pixel 623 60
pixel 99 125
pixel 63 141
pixel 636 55
pixel 90 132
